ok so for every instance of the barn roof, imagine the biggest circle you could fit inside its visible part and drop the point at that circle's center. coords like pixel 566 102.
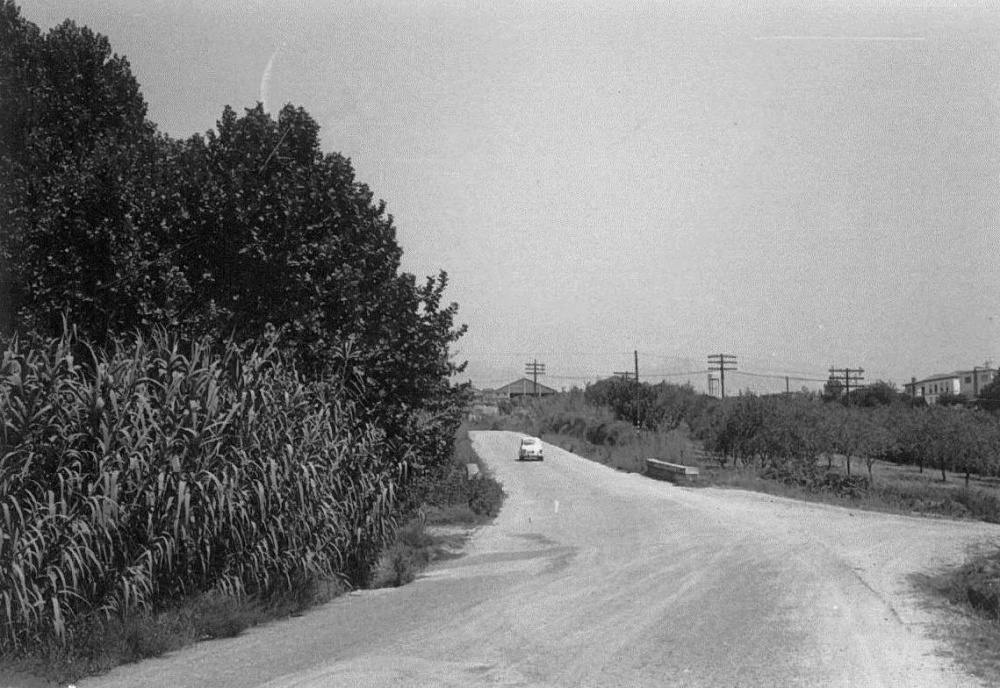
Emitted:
pixel 525 386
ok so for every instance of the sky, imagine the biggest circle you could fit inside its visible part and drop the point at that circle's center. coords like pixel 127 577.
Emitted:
pixel 800 187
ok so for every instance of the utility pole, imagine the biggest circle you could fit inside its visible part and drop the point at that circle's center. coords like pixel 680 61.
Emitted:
pixel 627 375
pixel 847 375
pixel 534 368
pixel 636 352
pixel 720 363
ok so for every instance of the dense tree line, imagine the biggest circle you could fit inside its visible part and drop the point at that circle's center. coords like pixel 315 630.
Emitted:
pixel 248 228
pixel 246 238
pixel 791 436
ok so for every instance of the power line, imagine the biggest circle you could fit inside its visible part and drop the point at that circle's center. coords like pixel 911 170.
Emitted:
pixel 666 374
pixel 780 374
pixel 780 377
pixel 686 374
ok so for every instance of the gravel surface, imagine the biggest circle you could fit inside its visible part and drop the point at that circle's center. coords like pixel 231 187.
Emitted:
pixel 591 577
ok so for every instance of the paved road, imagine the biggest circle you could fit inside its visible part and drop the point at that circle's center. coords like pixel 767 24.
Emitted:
pixel 591 577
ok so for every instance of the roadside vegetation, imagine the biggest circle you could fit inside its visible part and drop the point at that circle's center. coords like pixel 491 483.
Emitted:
pixel 435 523
pixel 973 590
pixel 875 449
pixel 441 514
pixel 221 399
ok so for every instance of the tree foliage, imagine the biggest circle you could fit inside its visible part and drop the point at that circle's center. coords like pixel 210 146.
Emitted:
pixel 786 436
pixel 75 140
pixel 247 229
pixel 245 237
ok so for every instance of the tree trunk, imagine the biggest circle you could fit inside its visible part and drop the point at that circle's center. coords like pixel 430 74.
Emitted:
pixel 847 457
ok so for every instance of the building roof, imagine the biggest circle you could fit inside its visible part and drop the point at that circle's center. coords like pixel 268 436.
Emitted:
pixel 941 376
pixel 525 386
pixel 950 376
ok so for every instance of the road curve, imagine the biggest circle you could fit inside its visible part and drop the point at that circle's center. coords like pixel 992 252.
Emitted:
pixel 590 577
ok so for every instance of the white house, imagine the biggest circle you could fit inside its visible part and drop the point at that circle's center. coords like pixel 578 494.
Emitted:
pixel 966 383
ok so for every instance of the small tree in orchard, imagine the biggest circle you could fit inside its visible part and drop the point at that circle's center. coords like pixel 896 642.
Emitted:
pixel 833 390
pixel 879 393
pixel 851 433
pixel 991 446
pixel 879 439
pixel 793 435
pixel 976 440
pixel 740 429
pixel 915 435
pixel 948 438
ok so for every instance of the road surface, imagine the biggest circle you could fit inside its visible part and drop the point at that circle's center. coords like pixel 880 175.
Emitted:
pixel 590 577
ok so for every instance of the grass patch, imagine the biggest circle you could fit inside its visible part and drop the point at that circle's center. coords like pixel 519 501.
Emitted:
pixel 901 491
pixel 416 547
pixel 99 644
pixel 449 506
pixel 455 514
pixel 972 590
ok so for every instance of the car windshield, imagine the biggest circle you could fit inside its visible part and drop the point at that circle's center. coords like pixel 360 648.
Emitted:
pixel 529 440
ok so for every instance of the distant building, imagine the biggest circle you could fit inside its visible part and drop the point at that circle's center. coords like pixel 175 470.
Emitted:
pixel 523 388
pixel 966 383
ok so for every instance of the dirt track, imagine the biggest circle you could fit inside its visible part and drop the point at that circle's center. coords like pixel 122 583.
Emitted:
pixel 596 578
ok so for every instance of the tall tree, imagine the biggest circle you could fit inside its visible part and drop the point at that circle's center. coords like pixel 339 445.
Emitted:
pixel 247 229
pixel 75 143
pixel 279 234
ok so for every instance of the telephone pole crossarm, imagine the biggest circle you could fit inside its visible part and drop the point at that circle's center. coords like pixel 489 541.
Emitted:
pixel 720 363
pixel 534 369
pixel 848 377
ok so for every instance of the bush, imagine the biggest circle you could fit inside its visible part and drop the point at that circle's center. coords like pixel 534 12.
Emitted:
pixel 985 506
pixel 449 487
pixel 612 434
pixel 412 550
pixel 977 583
pixel 851 486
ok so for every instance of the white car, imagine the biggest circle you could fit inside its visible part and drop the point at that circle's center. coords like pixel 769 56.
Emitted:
pixel 531 450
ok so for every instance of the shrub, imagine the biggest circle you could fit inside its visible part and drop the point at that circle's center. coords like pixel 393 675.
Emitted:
pixel 612 434
pixel 984 505
pixel 852 486
pixel 411 552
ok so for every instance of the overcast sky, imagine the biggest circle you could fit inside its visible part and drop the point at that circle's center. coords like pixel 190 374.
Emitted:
pixel 800 188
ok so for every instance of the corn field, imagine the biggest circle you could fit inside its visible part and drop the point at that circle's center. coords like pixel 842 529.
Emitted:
pixel 138 475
